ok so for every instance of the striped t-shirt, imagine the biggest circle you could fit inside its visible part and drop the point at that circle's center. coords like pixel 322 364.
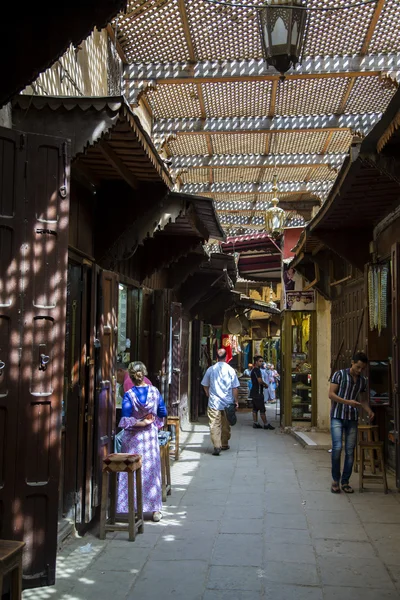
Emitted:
pixel 348 390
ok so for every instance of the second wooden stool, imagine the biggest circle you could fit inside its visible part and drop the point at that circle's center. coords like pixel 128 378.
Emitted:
pixel 164 438
pixel 132 465
pixel 374 478
pixel 366 433
pixel 175 422
pixel 11 563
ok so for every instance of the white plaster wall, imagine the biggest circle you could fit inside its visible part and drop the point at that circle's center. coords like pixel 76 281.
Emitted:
pixel 79 72
pixel 323 360
pixel 5 116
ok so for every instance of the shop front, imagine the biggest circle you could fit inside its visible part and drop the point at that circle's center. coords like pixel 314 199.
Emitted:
pixel 358 270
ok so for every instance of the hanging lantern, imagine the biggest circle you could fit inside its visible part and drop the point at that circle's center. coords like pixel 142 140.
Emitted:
pixel 282 28
pixel 275 216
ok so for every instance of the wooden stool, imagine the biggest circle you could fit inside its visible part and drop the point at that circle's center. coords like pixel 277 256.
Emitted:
pixel 11 563
pixel 175 422
pixel 381 478
pixel 366 433
pixel 164 438
pixel 122 463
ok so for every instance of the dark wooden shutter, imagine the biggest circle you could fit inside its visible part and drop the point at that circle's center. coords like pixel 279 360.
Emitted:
pixel 175 358
pixel 106 349
pixel 43 294
pixel 12 205
pixel 159 340
pixel 396 352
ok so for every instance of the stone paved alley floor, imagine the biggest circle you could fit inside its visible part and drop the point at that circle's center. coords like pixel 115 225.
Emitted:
pixel 257 522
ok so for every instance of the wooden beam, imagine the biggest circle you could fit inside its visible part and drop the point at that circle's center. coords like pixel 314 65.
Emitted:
pixel 362 122
pixel 186 29
pixel 378 9
pixel 241 70
pixel 327 142
pixel 210 176
pixel 286 187
pixel 201 101
pixel 209 144
pixel 253 161
pixel 118 46
pixel 346 95
pixel 118 165
pixel 267 144
pixel 272 105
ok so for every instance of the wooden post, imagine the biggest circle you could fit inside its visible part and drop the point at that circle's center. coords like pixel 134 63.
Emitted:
pixel 139 499
pixel 131 507
pixel 103 510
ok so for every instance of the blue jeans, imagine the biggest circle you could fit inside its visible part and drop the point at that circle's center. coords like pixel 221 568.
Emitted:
pixel 349 428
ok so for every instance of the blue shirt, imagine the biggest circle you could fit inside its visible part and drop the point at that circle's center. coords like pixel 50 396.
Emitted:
pixel 220 378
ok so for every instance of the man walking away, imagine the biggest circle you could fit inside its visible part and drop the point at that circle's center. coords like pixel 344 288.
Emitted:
pixel 346 386
pixel 221 386
pixel 257 394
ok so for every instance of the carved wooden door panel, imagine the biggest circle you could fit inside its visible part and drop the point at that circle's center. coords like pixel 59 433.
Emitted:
pixel 42 289
pixel 396 353
pixel 106 354
pixel 175 358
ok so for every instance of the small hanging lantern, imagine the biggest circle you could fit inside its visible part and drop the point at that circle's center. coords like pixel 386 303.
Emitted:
pixel 282 27
pixel 275 216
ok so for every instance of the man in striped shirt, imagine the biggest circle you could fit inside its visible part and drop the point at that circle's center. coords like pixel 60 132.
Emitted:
pixel 346 387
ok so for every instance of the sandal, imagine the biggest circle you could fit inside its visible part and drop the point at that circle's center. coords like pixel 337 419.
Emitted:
pixel 225 447
pixel 347 489
pixel 335 489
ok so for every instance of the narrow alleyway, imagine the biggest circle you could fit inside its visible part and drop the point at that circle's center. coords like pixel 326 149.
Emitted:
pixel 257 522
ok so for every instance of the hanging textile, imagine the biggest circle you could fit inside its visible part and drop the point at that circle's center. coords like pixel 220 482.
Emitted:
pixel 377 296
pixel 226 343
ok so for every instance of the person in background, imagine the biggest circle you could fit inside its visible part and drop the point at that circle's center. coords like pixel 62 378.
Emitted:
pixel 273 383
pixel 221 386
pixel 265 377
pixel 124 381
pixel 257 395
pixel 143 411
pixel 346 387
pixel 247 372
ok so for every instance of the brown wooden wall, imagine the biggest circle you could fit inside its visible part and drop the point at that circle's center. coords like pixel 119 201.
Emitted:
pixel 347 309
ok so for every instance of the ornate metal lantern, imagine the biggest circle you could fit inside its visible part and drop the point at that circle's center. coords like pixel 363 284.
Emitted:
pixel 275 216
pixel 282 25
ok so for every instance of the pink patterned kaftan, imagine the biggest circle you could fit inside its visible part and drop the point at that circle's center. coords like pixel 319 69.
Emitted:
pixel 143 441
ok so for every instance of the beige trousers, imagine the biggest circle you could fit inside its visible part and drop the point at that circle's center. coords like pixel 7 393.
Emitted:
pixel 220 429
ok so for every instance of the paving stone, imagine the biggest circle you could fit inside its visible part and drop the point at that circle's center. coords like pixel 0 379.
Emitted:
pixel 182 580
pixel 286 521
pixel 388 551
pixel 247 511
pixel 238 550
pixel 97 585
pixel 290 507
pixel 288 553
pixel 353 593
pixel 290 573
pixel 292 592
pixel 246 526
pixel 352 532
pixel 344 548
pixel 187 548
pixel 235 578
pixel 122 559
pixel 227 595
pixel 357 572
pixel 318 517
pixel 275 535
